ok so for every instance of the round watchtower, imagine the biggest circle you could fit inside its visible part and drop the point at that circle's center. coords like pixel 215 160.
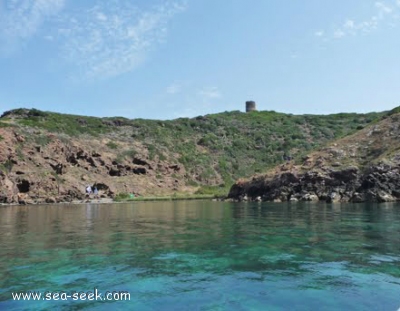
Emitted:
pixel 251 106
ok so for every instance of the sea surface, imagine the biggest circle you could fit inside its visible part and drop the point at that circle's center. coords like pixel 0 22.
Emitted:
pixel 202 255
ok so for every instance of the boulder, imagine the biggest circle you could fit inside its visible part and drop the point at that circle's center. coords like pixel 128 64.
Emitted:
pixel 51 200
pixel 310 197
pixel 383 196
pixel 358 197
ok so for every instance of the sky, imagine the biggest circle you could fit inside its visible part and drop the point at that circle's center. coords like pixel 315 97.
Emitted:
pixel 165 59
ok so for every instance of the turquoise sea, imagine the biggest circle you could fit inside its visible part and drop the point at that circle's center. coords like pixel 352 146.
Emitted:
pixel 201 255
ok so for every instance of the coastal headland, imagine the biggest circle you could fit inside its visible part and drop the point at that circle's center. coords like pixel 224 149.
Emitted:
pixel 47 157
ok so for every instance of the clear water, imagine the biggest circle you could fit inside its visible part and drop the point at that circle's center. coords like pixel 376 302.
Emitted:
pixel 201 255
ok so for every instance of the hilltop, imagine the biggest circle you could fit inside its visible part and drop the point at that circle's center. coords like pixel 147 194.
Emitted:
pixel 364 166
pixel 47 156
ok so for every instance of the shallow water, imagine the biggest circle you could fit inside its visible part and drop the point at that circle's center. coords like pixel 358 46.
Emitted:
pixel 201 255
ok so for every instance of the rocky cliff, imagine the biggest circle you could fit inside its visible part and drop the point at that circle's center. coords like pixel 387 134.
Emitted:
pixel 50 157
pixel 361 167
pixel 60 170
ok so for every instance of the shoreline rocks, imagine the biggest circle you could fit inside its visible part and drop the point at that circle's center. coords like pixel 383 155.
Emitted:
pixel 378 183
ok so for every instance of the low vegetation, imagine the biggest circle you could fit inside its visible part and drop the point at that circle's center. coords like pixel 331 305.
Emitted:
pixel 215 150
pixel 123 197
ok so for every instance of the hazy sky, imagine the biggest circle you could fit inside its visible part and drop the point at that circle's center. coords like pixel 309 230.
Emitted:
pixel 182 58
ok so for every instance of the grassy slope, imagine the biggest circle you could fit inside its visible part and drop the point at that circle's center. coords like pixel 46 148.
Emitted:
pixel 215 149
pixel 376 148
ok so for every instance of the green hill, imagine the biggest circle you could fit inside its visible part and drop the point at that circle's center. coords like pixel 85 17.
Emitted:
pixel 210 151
pixel 364 166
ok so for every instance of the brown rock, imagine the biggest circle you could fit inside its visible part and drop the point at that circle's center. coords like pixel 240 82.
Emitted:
pixel 51 200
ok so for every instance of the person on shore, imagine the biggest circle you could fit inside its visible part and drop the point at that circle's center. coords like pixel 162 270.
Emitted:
pixel 96 192
pixel 88 190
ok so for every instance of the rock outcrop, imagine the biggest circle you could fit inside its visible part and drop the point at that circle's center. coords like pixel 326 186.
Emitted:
pixel 378 183
pixel 358 168
pixel 55 169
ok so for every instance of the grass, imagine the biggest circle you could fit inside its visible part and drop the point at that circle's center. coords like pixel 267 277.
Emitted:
pixel 5 124
pixel 214 191
pixel 112 145
pixel 71 125
pixel 42 140
pixel 7 166
pixel 166 198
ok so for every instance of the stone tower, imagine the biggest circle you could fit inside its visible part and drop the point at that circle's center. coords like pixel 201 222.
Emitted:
pixel 251 106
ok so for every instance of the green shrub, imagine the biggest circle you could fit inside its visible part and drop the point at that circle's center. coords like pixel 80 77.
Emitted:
pixel 394 111
pixel 18 150
pixel 112 145
pixel 4 124
pixel 7 165
pixel 42 140
pixel 217 191
pixel 36 113
pixel 123 196
pixel 131 153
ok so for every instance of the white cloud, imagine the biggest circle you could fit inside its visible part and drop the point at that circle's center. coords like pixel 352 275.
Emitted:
pixel 101 16
pixel 210 92
pixel 349 24
pixel 319 33
pixel 197 101
pixel 338 34
pixel 22 19
pixel 114 38
pixel 173 88
pixel 351 27
pixel 383 8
